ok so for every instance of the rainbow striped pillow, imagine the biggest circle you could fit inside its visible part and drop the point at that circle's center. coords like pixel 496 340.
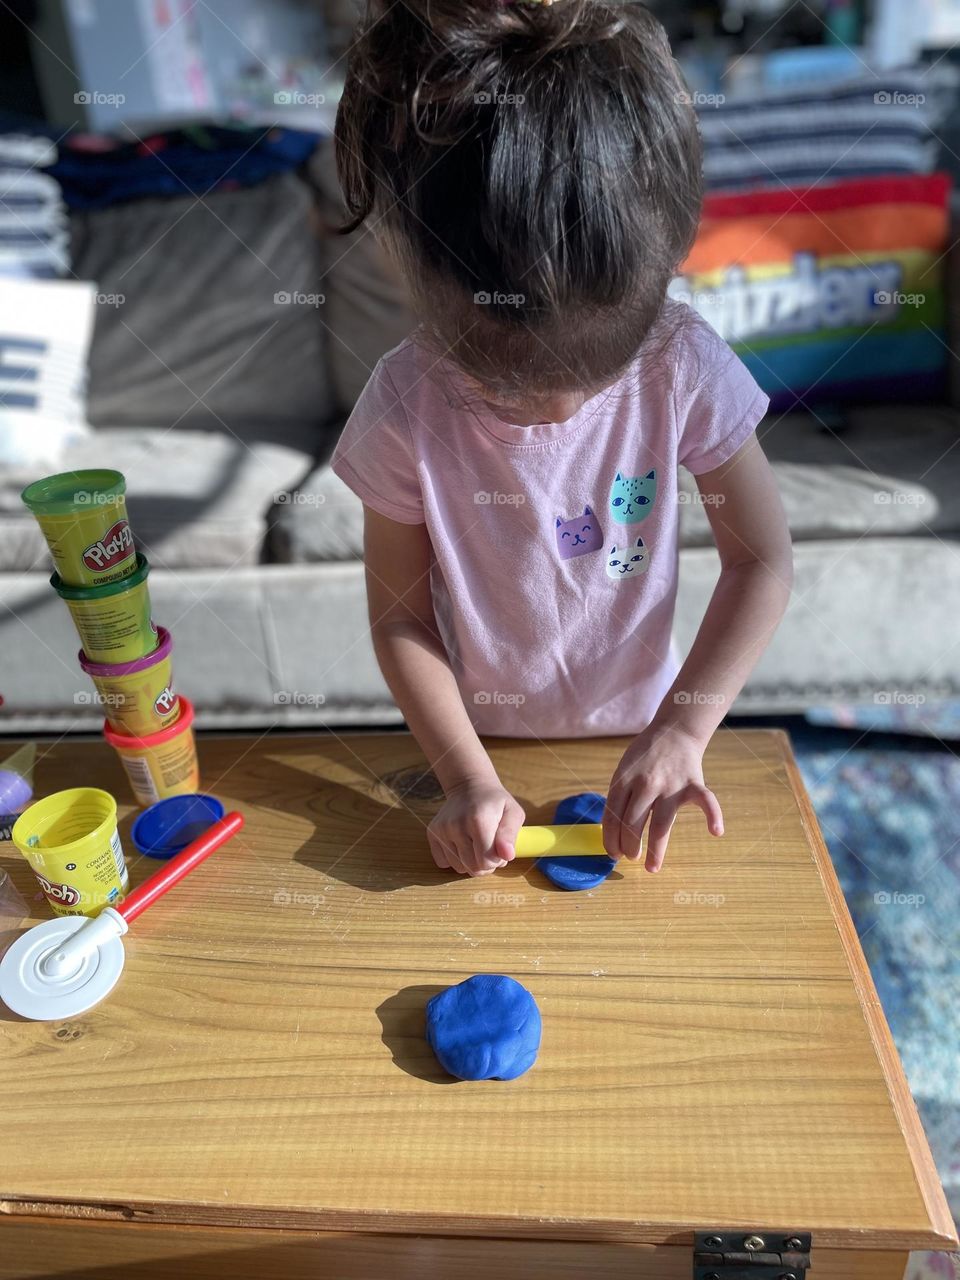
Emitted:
pixel 830 293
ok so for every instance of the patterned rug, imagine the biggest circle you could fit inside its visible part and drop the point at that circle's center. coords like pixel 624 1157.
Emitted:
pixel 888 805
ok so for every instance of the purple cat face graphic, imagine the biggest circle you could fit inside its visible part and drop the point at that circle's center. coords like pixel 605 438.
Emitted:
pixel 578 536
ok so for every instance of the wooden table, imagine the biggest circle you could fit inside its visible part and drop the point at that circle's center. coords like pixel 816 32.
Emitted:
pixel 256 1098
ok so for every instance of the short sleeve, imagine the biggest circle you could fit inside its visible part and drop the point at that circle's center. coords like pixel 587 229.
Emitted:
pixel 718 403
pixel 374 455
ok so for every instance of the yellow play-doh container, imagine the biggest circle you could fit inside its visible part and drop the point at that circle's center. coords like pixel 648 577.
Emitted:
pixel 160 764
pixel 70 840
pixel 137 697
pixel 113 621
pixel 83 515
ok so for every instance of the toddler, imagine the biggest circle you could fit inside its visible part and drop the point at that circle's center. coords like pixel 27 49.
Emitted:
pixel 534 170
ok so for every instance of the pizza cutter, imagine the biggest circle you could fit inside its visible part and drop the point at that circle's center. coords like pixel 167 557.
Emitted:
pixel 577 840
pixel 65 966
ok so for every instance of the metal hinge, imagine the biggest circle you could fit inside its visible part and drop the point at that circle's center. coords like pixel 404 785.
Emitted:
pixel 751 1255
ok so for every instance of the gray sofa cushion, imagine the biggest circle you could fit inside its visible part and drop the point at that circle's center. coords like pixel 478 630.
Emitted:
pixel 291 645
pixel 321 521
pixel 257 646
pixel 892 471
pixel 198 339
pixel 196 499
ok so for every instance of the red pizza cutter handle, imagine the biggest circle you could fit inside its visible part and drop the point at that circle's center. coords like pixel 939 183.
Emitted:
pixel 195 852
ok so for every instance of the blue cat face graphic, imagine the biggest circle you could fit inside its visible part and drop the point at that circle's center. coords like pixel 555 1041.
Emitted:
pixel 632 497
pixel 627 562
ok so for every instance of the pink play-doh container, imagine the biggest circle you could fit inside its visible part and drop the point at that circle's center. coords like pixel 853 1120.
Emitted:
pixel 161 764
pixel 137 697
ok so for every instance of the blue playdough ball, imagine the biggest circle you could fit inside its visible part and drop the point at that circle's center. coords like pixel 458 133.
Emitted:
pixel 486 1028
pixel 578 873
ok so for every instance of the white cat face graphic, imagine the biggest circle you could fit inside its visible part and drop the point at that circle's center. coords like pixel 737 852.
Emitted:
pixel 627 562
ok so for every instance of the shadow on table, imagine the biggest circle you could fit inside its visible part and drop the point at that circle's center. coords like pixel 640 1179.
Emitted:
pixel 389 816
pixel 403 1019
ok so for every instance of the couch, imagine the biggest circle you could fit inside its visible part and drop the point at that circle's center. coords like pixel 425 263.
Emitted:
pixel 221 404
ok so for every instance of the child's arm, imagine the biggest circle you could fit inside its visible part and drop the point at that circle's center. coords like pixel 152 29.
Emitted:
pixel 662 768
pixel 475 830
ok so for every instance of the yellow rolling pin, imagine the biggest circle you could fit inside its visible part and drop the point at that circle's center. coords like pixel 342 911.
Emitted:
pixel 578 840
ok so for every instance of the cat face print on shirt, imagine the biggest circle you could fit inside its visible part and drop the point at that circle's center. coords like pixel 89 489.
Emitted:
pixel 632 497
pixel 627 562
pixel 578 536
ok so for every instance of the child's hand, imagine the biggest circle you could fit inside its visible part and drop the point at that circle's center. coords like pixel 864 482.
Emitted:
pixel 475 830
pixel 661 770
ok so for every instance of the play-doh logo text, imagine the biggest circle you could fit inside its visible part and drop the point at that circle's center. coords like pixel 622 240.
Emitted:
pixel 65 894
pixel 165 701
pixel 115 545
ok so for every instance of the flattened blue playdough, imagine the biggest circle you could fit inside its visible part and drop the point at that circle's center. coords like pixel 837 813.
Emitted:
pixel 486 1028
pixel 578 873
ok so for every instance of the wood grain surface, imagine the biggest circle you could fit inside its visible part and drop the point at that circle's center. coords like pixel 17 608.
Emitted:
pixel 712 1052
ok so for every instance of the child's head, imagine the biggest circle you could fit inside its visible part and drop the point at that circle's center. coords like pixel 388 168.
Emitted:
pixel 534 168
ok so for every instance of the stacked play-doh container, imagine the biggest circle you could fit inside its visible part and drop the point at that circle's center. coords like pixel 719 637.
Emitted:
pixel 103 581
pixel 137 694
pixel 83 515
pixel 159 764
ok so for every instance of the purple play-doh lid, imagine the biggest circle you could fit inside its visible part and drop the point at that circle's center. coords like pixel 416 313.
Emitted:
pixel 15 791
pixel 15 794
pixel 164 645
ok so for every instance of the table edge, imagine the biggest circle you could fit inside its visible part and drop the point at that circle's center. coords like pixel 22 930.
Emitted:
pixel 376 1223
pixel 901 1099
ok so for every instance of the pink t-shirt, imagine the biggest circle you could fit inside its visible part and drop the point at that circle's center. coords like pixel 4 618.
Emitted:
pixel 555 546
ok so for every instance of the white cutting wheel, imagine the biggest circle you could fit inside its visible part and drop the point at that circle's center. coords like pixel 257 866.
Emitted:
pixel 27 990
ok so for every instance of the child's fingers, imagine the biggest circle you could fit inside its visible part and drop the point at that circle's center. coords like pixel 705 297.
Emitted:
pixel 616 802
pixel 662 817
pixel 445 852
pixel 710 805
pixel 438 850
pixel 483 858
pixel 505 841
pixel 632 824
pixel 478 847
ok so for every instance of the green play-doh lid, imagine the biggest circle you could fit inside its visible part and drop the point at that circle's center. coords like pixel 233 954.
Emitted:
pixel 73 491
pixel 133 579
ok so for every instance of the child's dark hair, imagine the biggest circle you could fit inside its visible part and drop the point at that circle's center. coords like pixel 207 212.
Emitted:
pixel 536 170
